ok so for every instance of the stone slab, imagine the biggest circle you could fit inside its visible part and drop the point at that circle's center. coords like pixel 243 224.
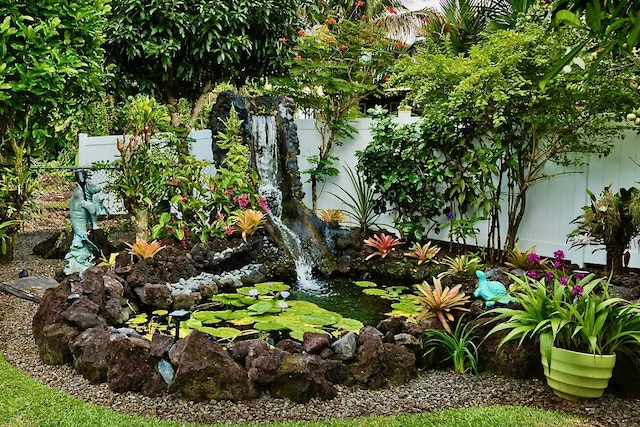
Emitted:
pixel 31 288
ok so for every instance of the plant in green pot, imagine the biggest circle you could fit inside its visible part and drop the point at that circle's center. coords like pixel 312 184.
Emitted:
pixel 580 328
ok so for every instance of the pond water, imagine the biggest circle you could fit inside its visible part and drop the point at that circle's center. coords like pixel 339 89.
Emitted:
pixel 343 296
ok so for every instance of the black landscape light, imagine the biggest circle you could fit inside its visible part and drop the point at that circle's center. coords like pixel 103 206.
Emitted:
pixel 178 316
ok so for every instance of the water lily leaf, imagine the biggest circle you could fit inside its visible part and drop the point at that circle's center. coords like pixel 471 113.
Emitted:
pixel 243 321
pixel 366 284
pixel 261 307
pixel 209 317
pixel 396 290
pixel 192 323
pixel 139 319
pixel 229 314
pixel 378 292
pixel 160 312
pixel 302 307
pixel 224 333
pixel 272 287
pixel 321 318
pixel 351 325
pixel 230 299
pixel 270 325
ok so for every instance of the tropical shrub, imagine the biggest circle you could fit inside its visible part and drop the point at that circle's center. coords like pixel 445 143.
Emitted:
pixel 335 216
pixel 461 264
pixel 612 220
pixel 527 260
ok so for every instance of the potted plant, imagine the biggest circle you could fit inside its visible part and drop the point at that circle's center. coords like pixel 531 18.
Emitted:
pixel 579 326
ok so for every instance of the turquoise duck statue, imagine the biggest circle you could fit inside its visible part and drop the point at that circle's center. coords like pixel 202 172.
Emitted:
pixel 490 290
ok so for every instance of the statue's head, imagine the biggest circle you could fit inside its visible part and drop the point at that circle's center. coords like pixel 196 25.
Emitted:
pixel 92 188
pixel 480 274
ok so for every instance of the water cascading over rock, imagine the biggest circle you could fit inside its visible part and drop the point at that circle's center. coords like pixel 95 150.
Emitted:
pixel 270 133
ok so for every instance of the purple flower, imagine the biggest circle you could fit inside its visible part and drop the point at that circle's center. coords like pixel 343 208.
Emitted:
pixel 532 274
pixel 559 255
pixel 549 275
pixel 533 258
pixel 577 291
pixel 564 281
pixel 254 293
pixel 557 264
pixel 282 305
pixel 449 215
pixel 285 294
pixel 578 276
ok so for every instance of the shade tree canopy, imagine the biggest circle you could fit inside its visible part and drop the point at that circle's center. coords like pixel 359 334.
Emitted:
pixel 180 49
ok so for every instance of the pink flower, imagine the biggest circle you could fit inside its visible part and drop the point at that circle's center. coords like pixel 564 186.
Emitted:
pixel 184 197
pixel 175 181
pixel 298 57
pixel 392 10
pixel 330 21
pixel 242 200
pixel 558 264
pixel 359 3
pixel 578 276
pixel 559 255
pixel 564 281
pixel 577 291
pixel 301 32
pixel 282 40
pixel 532 274
pixel 229 230
pixel 533 258
pixel 220 216
pixel 264 205
pixel 549 275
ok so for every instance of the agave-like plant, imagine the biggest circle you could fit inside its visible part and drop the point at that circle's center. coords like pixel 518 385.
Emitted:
pixel 332 215
pixel 382 243
pixel 248 222
pixel 440 302
pixel 424 253
pixel 143 249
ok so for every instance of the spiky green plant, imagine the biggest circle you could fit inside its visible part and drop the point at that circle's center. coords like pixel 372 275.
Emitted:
pixel 459 345
pixel 424 253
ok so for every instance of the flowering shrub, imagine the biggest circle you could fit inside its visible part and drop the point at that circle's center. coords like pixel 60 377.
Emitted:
pixel 441 302
pixel 248 222
pixel 143 249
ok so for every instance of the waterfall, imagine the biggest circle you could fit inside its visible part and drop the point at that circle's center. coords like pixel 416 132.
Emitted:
pixel 263 129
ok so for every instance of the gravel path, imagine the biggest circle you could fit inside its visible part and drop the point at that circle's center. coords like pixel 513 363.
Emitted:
pixel 432 390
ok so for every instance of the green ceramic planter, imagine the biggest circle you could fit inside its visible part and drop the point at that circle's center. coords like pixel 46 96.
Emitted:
pixel 576 376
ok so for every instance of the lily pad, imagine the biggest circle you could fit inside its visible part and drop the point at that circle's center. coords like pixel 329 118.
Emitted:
pixel 209 317
pixel 261 307
pixel 321 318
pixel 366 284
pixel 270 325
pixel 160 312
pixel 351 325
pixel 298 334
pixel 244 321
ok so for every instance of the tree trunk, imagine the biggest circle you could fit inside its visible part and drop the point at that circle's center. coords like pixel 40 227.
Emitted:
pixel 10 242
pixel 615 253
pixel 140 218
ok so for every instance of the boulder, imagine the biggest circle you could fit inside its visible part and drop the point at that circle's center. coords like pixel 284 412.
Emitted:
pixel 155 295
pixel 83 313
pixel 315 342
pixel 381 364
pixel 301 377
pixel 54 343
pixel 345 347
pixel 91 353
pixel 205 371
pixel 289 346
pixel 132 368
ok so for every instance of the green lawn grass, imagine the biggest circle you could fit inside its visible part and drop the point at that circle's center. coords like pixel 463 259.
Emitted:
pixel 26 402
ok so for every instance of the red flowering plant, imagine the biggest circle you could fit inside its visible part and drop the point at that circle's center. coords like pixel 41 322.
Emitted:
pixel 206 206
pixel 382 244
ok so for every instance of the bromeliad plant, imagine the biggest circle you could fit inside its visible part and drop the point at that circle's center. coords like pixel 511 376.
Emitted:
pixel 577 315
pixel 424 253
pixel 382 243
pixel 248 222
pixel 143 249
pixel 440 302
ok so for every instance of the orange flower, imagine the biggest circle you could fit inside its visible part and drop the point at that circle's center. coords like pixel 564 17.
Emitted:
pixel 298 57
pixel 359 3
pixel 391 10
pixel 301 32
pixel 344 47
pixel 282 40
pixel 330 21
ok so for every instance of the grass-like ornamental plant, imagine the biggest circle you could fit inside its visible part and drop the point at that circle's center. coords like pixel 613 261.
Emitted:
pixel 382 244
pixel 143 249
pixel 459 346
pixel 423 253
pixel 440 302
pixel 248 222
pixel 578 316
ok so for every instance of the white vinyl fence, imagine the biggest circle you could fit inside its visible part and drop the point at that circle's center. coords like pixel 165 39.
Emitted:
pixel 551 205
